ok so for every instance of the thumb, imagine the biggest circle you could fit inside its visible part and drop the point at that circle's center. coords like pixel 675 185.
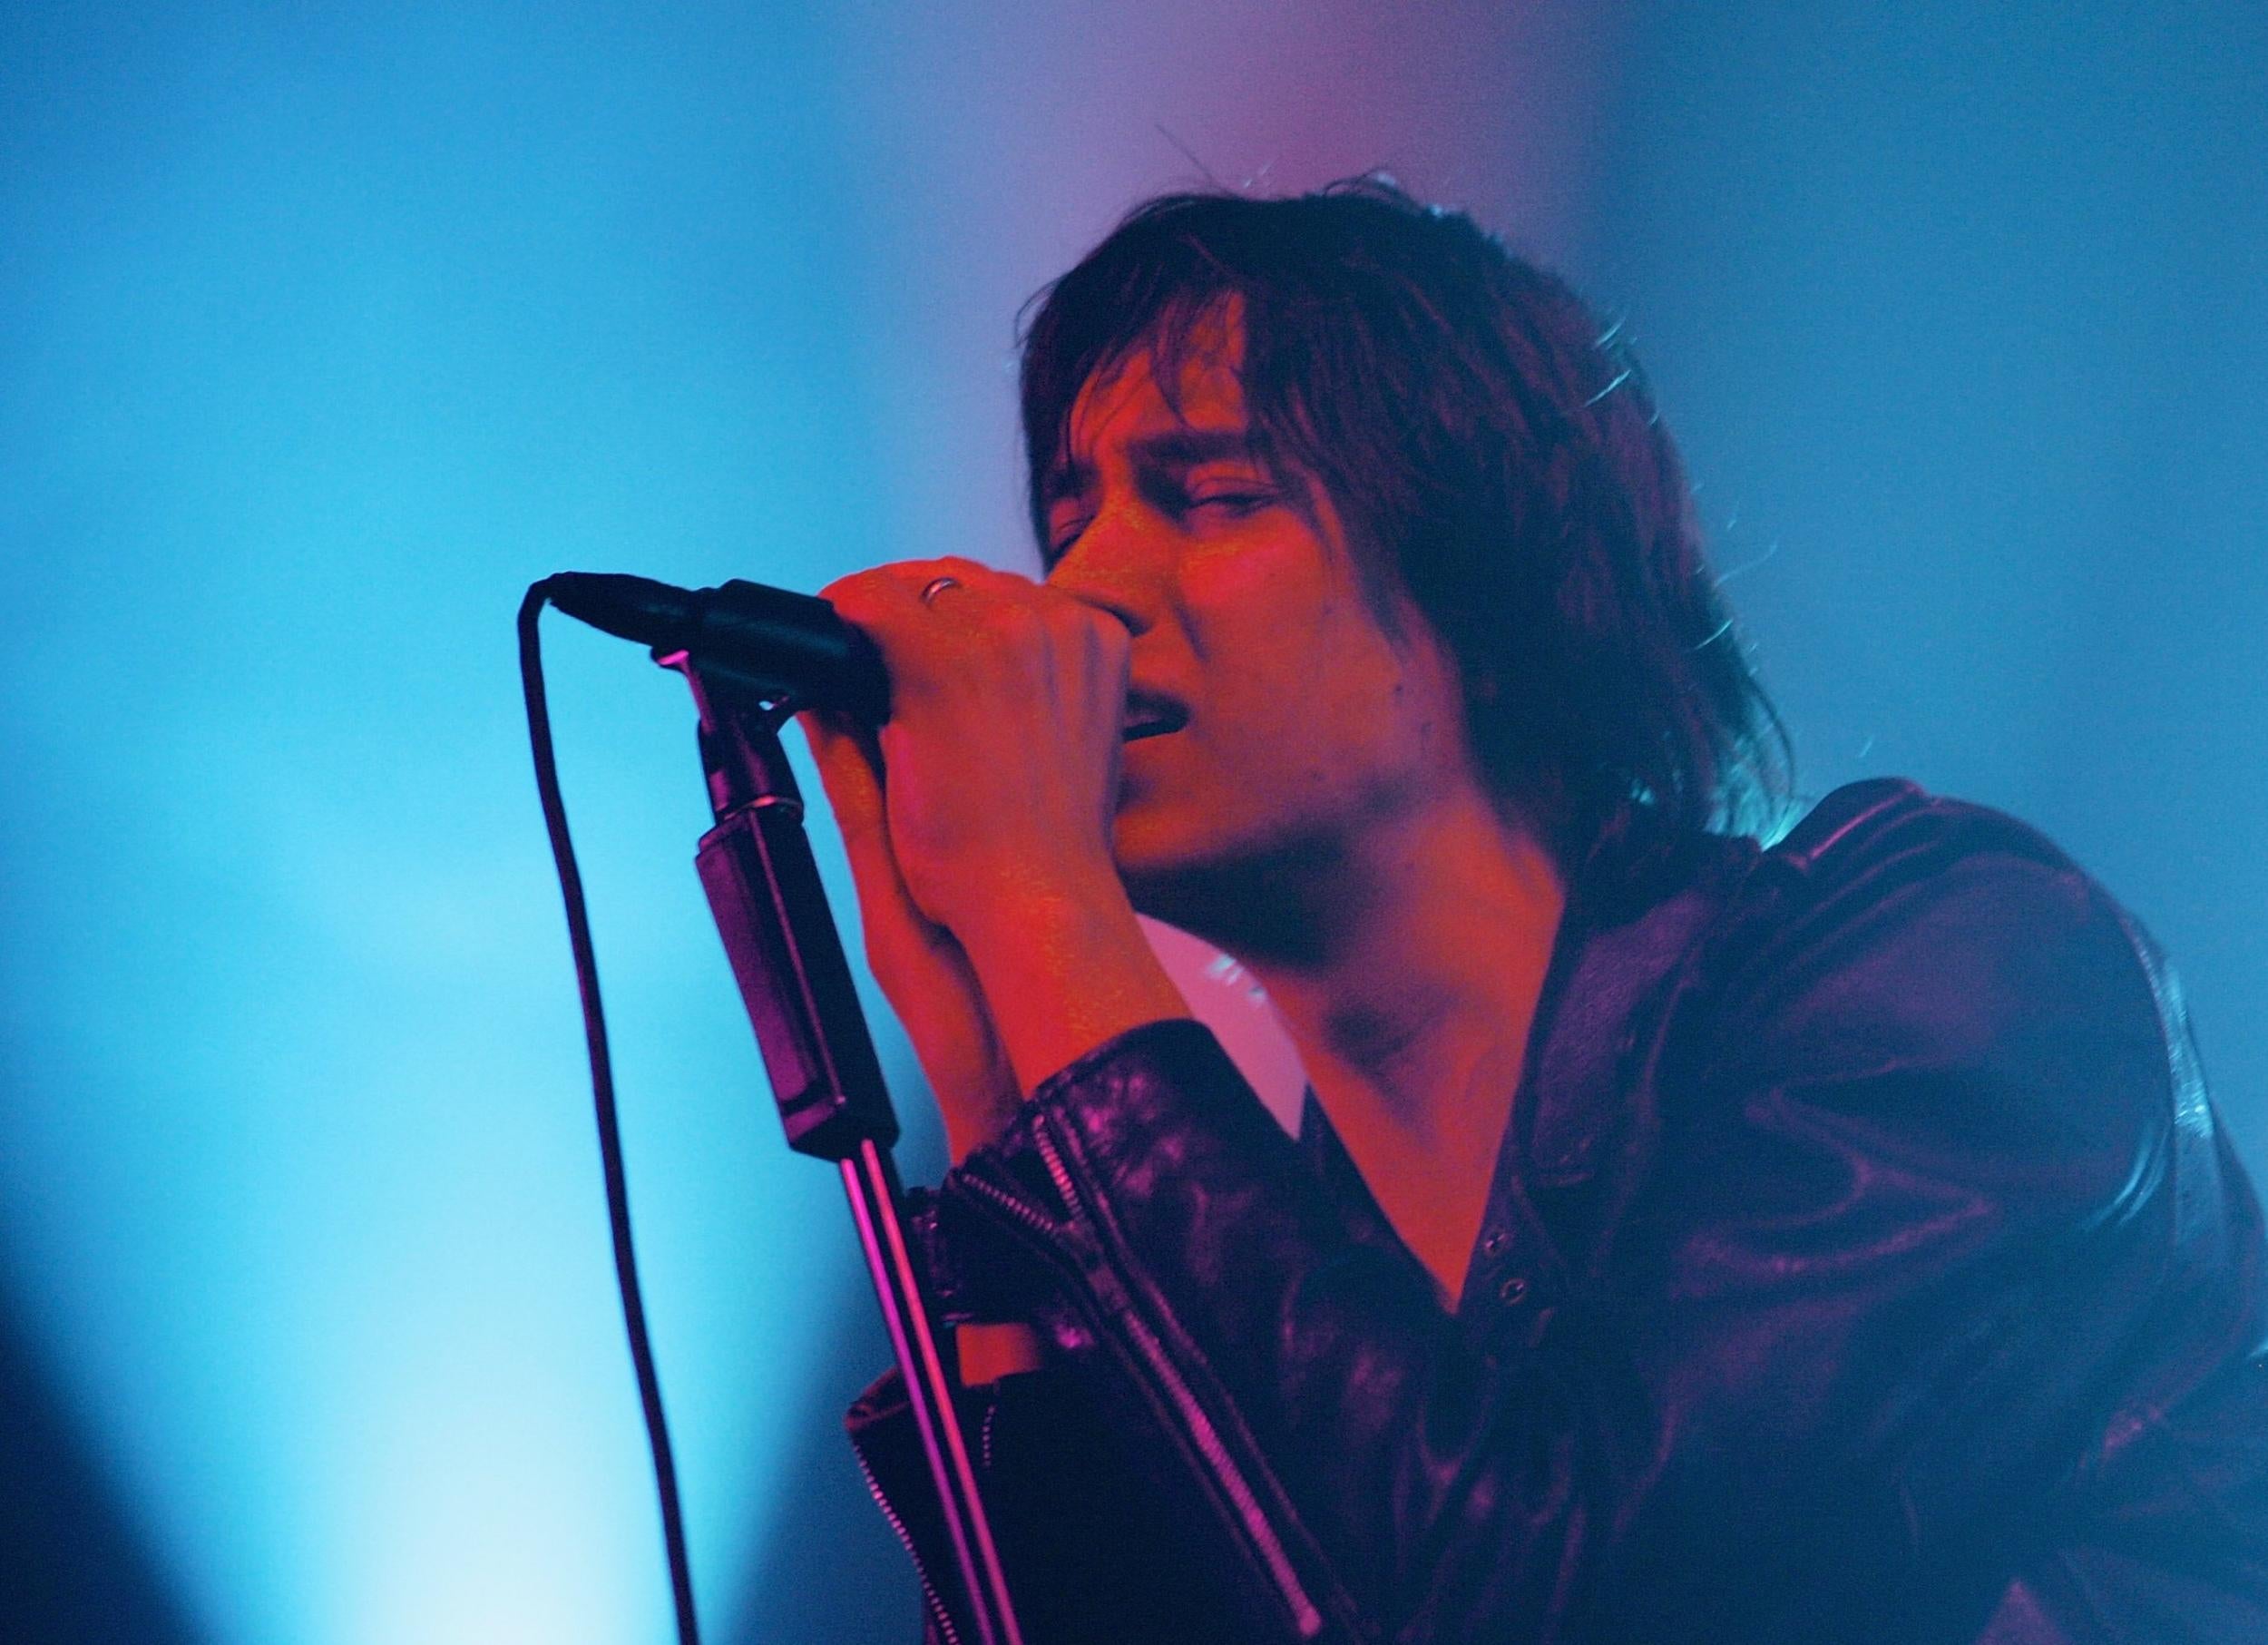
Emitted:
pixel 850 770
pixel 901 941
pixel 849 758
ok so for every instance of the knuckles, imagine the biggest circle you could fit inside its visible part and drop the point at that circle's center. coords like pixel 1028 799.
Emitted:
pixel 868 599
pixel 1010 625
pixel 1011 618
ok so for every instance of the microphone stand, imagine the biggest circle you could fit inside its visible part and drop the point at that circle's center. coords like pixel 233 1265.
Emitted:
pixel 764 890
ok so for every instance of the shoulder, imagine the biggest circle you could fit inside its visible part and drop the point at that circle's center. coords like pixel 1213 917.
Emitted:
pixel 1927 965
pixel 1885 864
pixel 1891 825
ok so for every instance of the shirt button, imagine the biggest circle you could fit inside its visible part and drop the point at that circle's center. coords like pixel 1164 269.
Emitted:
pixel 1514 1291
pixel 1493 1244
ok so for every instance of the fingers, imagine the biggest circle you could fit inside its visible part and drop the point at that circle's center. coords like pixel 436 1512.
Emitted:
pixel 995 635
pixel 888 602
pixel 1002 748
pixel 889 596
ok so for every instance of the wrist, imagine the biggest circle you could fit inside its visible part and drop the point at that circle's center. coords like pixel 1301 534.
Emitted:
pixel 1063 974
pixel 1045 906
pixel 989 1352
pixel 970 1126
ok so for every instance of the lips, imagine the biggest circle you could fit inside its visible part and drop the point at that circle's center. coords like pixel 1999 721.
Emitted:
pixel 1147 716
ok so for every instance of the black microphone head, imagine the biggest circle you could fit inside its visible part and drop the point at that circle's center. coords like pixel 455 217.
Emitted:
pixel 757 640
pixel 658 614
pixel 796 645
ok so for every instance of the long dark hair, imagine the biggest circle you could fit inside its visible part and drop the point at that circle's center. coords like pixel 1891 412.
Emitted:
pixel 1491 449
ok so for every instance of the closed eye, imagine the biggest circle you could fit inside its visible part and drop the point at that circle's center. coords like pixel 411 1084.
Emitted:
pixel 1230 495
pixel 1062 533
pixel 1233 501
pixel 1224 498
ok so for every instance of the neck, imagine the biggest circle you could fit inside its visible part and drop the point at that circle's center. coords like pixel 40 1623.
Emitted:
pixel 1406 966
pixel 1406 973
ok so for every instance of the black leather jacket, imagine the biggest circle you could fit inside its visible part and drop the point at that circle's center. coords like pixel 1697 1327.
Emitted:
pixel 1863 1263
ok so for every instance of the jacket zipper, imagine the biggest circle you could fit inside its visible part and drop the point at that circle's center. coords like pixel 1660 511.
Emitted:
pixel 937 1611
pixel 1209 1445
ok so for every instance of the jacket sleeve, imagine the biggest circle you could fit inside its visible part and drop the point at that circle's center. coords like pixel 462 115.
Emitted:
pixel 1901 1198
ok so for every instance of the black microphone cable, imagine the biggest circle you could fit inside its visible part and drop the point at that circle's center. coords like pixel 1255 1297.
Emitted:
pixel 602 1096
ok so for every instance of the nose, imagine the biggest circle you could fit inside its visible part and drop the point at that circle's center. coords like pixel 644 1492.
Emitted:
pixel 1119 564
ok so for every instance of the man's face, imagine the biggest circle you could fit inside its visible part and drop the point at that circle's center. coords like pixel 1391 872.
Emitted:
pixel 1273 720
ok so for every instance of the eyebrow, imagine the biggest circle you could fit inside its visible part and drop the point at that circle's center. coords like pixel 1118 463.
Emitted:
pixel 1176 448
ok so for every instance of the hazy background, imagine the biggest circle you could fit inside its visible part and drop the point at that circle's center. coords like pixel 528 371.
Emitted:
pixel 325 330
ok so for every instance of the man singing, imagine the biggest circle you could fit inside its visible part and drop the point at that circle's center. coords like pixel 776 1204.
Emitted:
pixel 1687 1240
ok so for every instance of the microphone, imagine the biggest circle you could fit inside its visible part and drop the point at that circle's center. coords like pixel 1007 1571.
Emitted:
pixel 771 642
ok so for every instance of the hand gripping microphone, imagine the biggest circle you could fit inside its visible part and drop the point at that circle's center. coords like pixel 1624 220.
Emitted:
pixel 766 640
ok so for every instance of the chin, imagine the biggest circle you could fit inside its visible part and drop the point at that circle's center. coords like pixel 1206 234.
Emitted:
pixel 1160 865
pixel 1142 853
pixel 1206 877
